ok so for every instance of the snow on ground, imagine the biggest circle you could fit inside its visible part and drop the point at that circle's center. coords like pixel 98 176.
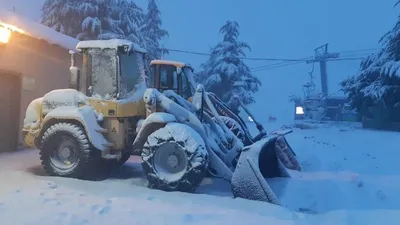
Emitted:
pixel 29 197
pixel 345 168
pixel 351 176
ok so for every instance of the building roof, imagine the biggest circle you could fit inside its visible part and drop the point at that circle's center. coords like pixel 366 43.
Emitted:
pixel 36 30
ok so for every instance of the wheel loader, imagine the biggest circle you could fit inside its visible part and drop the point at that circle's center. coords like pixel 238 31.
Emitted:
pixel 116 109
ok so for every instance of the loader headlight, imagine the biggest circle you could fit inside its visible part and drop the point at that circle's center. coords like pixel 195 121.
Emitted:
pixel 299 110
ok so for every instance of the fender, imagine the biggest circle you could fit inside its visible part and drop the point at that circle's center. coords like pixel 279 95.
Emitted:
pixel 85 116
pixel 32 122
pixel 152 123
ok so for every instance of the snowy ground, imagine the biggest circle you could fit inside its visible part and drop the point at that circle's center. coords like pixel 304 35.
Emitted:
pixel 351 176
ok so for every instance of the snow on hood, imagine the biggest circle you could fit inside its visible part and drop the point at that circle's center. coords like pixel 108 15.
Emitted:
pixel 62 97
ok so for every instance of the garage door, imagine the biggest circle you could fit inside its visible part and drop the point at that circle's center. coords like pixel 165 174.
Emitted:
pixel 10 97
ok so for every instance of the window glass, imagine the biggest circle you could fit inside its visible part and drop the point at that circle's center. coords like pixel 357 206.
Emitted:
pixel 175 80
pixel 150 81
pixel 130 73
pixel 186 89
pixel 168 78
pixel 163 78
pixel 104 72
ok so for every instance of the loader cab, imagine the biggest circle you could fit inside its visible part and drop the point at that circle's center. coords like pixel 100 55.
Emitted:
pixel 171 75
pixel 111 69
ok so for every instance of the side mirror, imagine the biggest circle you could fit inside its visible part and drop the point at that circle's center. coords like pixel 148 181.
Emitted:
pixel 198 99
pixel 178 70
pixel 74 75
pixel 127 50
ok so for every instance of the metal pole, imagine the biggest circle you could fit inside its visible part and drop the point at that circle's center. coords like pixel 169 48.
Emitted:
pixel 321 56
pixel 324 77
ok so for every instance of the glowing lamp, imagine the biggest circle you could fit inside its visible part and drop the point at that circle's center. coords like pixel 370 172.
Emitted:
pixel 299 110
pixel 4 35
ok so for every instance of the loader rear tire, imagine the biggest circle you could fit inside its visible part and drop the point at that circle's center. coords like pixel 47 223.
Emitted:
pixel 67 152
pixel 174 158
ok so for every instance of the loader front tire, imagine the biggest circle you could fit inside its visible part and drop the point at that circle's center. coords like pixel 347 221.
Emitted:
pixel 67 152
pixel 174 158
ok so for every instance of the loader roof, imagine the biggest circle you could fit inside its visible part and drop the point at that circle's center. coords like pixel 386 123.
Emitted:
pixel 110 44
pixel 168 62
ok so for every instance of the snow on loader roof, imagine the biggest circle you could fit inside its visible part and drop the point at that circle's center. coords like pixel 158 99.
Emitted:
pixel 112 43
pixel 36 30
pixel 168 62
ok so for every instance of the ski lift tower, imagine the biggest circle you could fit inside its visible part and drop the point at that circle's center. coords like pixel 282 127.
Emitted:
pixel 321 56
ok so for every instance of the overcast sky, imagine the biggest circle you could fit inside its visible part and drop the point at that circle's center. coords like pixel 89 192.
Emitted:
pixel 274 29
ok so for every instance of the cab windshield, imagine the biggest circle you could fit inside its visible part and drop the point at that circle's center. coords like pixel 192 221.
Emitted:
pixel 163 77
pixel 168 78
pixel 104 72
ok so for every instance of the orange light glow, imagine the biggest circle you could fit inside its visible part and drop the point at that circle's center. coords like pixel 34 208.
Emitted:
pixel 6 30
pixel 4 35
pixel 11 27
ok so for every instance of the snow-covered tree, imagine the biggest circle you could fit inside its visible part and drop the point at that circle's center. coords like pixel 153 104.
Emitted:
pixel 151 31
pixel 225 73
pixel 375 90
pixel 93 19
pixel 63 16
pixel 99 21
pixel 130 16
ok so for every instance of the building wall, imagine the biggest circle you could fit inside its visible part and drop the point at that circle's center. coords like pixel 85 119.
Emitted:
pixel 44 67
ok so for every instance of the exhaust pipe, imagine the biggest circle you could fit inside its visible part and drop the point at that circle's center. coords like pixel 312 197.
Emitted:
pixel 74 75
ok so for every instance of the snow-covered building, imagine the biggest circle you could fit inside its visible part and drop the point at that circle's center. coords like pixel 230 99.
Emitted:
pixel 34 59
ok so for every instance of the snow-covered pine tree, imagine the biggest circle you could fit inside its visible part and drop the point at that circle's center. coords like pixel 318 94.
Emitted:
pixel 63 15
pixel 151 31
pixel 130 16
pixel 378 82
pixel 225 67
pixel 92 19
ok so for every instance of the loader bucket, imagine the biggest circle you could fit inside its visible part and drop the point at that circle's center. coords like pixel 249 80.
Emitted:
pixel 259 161
pixel 286 154
pixel 284 150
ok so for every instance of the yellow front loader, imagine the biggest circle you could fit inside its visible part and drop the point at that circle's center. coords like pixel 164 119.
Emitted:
pixel 91 126
pixel 115 109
